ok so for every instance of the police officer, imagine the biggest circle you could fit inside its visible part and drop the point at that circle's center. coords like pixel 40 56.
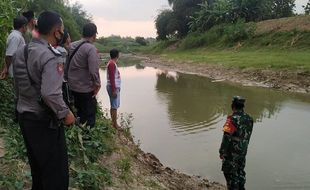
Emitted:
pixel 38 70
pixel 30 26
pixel 13 42
pixel 83 75
pixel 236 137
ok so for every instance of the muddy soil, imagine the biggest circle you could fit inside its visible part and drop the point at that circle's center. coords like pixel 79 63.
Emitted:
pixel 146 171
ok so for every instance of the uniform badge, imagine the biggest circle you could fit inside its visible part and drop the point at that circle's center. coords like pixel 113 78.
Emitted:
pixel 60 68
pixel 229 127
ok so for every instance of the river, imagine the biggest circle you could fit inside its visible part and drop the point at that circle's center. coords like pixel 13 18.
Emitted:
pixel 179 118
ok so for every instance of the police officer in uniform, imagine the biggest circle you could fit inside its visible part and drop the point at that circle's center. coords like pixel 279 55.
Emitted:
pixel 237 132
pixel 38 70
pixel 83 75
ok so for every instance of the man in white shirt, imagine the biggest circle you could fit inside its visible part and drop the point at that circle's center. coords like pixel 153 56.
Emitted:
pixel 14 41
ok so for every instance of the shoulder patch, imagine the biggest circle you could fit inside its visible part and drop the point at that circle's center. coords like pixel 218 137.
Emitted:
pixel 60 68
pixel 229 127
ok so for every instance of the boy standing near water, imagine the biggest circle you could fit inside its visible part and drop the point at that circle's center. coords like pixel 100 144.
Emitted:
pixel 237 133
pixel 114 85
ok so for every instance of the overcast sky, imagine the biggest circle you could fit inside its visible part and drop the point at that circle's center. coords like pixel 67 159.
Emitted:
pixel 131 17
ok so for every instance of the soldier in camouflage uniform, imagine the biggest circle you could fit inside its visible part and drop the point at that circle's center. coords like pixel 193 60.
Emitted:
pixel 236 137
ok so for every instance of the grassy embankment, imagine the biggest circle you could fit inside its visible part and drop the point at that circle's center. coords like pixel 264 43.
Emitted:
pixel 86 172
pixel 273 44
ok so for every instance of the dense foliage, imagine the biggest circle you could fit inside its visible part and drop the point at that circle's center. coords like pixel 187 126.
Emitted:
pixel 307 8
pixel 85 172
pixel 191 16
pixel 74 16
pixel 123 44
pixel 8 10
pixel 84 155
pixel 174 22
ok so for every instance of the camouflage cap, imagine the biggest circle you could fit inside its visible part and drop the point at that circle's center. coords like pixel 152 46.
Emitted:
pixel 238 100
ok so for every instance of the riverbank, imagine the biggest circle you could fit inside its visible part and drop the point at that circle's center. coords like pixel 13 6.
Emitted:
pixel 111 160
pixel 272 53
pixel 134 169
pixel 297 80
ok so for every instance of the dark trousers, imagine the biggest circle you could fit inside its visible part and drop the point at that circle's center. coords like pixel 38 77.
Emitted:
pixel 86 106
pixel 47 152
pixel 235 180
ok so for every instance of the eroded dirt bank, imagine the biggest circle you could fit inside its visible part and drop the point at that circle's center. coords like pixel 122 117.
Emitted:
pixel 146 172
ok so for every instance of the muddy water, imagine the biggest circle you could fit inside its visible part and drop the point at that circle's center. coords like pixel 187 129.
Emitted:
pixel 179 117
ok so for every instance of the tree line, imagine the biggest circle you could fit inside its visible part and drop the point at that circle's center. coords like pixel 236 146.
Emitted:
pixel 186 16
pixel 74 16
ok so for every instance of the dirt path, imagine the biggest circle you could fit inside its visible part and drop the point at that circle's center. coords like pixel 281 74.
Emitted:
pixel 293 81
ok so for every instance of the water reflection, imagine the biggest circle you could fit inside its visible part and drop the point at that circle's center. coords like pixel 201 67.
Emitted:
pixel 196 103
pixel 179 117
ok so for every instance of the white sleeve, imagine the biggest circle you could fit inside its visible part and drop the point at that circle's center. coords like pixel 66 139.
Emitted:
pixel 12 46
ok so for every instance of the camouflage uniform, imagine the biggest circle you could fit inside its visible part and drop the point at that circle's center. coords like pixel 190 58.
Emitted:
pixel 236 137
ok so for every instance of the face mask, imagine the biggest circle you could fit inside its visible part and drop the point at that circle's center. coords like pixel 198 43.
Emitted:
pixel 59 40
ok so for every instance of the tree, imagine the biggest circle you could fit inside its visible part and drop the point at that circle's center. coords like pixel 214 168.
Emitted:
pixel 80 16
pixel 230 11
pixel 209 15
pixel 175 22
pixel 307 8
pixel 141 41
pixel 166 24
pixel 183 11
pixel 283 8
pixel 74 17
pixel 250 10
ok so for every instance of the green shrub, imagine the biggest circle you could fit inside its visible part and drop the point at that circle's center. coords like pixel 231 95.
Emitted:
pixel 193 40
pixel 238 32
pixel 211 37
pixel 84 155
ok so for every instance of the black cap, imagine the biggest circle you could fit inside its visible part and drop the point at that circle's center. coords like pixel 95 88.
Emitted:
pixel 238 100
pixel 19 22
pixel 29 15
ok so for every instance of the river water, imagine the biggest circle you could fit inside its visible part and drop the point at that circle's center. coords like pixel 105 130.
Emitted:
pixel 179 118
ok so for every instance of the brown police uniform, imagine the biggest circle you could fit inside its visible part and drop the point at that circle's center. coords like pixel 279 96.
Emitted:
pixel 83 77
pixel 41 106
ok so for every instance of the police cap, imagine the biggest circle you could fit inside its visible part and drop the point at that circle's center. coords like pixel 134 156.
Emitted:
pixel 238 100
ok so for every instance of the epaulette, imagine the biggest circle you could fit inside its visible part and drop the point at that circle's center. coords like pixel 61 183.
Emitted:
pixel 54 50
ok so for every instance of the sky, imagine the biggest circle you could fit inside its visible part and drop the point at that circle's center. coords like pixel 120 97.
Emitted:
pixel 131 17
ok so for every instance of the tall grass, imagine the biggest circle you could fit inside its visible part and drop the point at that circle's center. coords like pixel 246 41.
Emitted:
pixel 84 155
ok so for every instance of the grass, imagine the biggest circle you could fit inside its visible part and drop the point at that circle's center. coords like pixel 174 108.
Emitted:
pixel 124 165
pixel 245 45
pixel 292 59
pixel 85 172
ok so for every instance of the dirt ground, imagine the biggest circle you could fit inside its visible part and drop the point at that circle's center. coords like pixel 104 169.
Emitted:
pixel 147 173
pixel 293 81
pixel 300 23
